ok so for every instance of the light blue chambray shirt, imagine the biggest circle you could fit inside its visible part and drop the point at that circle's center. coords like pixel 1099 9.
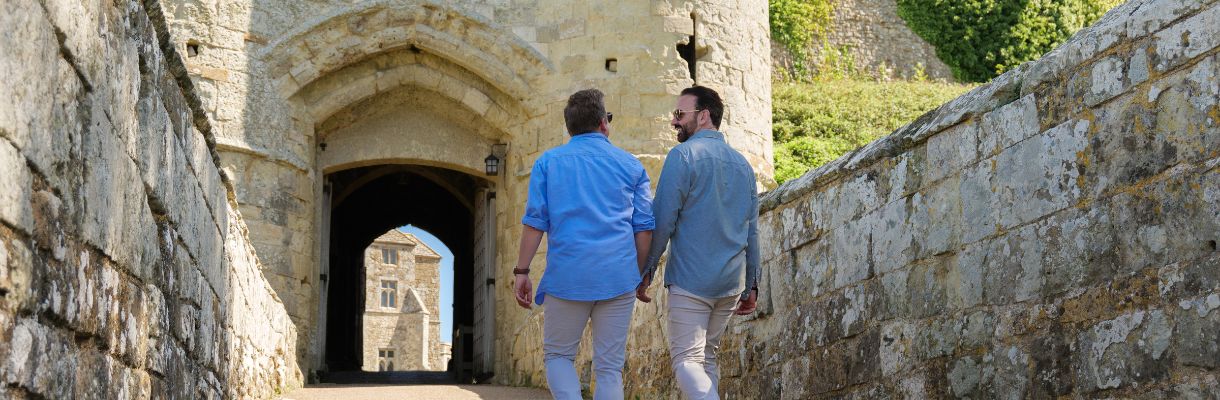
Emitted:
pixel 590 198
pixel 707 208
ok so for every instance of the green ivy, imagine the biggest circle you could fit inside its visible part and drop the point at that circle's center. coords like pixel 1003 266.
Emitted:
pixel 795 24
pixel 980 39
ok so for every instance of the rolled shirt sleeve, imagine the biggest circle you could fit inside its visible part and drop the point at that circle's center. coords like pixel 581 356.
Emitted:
pixel 536 214
pixel 641 202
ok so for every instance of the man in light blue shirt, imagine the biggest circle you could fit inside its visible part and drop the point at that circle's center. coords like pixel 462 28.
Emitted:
pixel 707 210
pixel 592 201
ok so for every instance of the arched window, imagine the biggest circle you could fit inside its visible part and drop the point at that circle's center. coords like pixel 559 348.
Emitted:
pixel 385 360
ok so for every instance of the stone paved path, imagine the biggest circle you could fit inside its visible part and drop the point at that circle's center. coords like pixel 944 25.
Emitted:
pixel 329 391
pixel 406 385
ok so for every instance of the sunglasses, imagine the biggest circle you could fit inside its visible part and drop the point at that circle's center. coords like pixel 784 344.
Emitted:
pixel 609 116
pixel 678 113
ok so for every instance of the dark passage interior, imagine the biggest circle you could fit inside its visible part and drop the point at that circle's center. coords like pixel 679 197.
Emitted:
pixel 365 203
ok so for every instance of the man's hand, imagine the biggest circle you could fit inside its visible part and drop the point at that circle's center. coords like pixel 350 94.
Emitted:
pixel 524 290
pixel 747 305
pixel 641 292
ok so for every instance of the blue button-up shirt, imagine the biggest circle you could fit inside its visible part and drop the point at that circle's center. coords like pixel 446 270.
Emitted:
pixel 707 209
pixel 590 198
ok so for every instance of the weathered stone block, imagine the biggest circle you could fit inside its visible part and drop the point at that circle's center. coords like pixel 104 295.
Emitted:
pixel 927 287
pixel 853 197
pixel 938 209
pixel 803 222
pixel 1013 268
pixel 934 338
pixel 1008 125
pixel 1106 80
pixel 1051 359
pixel 1187 39
pixel 1146 17
pixel 17 185
pixel 1190 278
pixel 1039 176
pixel 849 256
pixel 894 350
pixel 893 235
pixel 977 197
pixel 965 280
pixel 116 218
pixel 952 150
pixel 1006 375
pixel 1079 249
pixel 787 281
pixel 42 360
pixel 894 295
pixel 1197 333
pixel 1123 351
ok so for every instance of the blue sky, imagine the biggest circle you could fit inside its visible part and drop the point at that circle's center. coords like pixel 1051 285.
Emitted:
pixel 446 278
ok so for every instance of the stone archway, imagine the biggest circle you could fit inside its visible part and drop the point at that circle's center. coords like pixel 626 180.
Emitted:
pixel 366 201
pixel 422 85
pixel 411 151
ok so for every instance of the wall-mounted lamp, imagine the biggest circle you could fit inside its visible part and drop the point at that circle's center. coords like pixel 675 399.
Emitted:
pixel 492 162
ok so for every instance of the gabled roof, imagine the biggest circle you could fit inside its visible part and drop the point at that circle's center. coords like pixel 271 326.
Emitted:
pixel 422 249
pixel 395 236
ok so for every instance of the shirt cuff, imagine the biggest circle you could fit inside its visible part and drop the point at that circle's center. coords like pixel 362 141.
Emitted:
pixel 536 223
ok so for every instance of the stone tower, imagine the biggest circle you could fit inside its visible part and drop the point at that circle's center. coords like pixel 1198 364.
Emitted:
pixel 402 305
pixel 329 112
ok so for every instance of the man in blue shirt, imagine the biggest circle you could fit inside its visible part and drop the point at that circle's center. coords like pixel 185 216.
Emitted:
pixel 592 201
pixel 707 209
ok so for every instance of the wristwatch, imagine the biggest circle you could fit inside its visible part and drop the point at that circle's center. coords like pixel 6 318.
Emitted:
pixel 521 271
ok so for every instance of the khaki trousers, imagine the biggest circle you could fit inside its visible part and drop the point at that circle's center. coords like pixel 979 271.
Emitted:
pixel 563 323
pixel 695 326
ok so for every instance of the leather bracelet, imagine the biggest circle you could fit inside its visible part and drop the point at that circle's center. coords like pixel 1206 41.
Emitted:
pixel 521 271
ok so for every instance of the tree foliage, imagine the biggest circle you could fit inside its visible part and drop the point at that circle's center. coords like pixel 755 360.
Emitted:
pixel 980 39
pixel 796 24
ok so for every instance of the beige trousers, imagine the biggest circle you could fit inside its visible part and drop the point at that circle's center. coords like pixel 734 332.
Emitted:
pixel 563 324
pixel 695 326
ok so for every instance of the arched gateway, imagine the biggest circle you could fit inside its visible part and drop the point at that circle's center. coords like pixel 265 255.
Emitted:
pixel 340 120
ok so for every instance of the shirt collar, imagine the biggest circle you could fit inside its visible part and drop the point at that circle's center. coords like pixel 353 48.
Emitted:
pixel 708 133
pixel 591 135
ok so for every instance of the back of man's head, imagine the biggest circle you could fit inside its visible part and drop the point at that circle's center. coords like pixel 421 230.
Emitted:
pixel 584 111
pixel 707 99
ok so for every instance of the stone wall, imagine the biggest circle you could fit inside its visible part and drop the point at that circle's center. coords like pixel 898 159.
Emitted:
pixel 283 77
pixel 875 38
pixel 125 267
pixel 1052 233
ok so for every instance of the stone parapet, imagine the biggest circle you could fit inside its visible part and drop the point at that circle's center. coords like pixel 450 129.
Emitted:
pixel 1052 233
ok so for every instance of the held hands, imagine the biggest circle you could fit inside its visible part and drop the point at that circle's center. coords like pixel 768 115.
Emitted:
pixel 523 289
pixel 641 292
pixel 747 305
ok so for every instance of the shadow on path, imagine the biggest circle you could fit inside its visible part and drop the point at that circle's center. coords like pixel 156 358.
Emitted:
pixel 391 378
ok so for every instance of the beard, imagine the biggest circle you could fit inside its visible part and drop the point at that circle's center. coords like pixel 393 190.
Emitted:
pixel 685 131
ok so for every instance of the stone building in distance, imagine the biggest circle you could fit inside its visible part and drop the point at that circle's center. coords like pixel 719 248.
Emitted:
pixel 402 311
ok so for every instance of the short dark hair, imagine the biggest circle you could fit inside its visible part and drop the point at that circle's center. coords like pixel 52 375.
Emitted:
pixel 584 111
pixel 707 99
